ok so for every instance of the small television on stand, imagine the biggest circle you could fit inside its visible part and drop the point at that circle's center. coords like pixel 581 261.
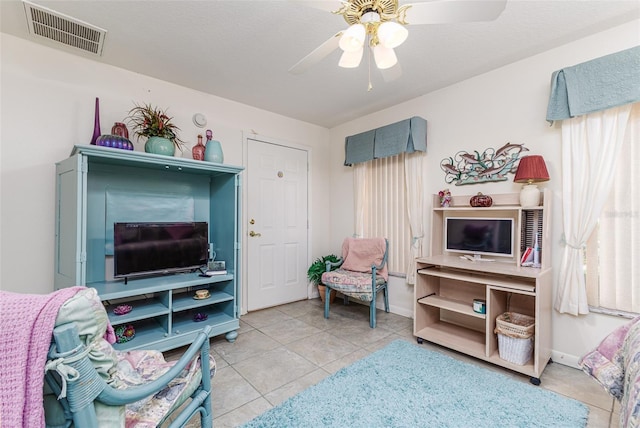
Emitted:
pixel 145 248
pixel 475 237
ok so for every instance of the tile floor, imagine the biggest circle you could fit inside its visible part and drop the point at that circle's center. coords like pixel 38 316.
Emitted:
pixel 283 350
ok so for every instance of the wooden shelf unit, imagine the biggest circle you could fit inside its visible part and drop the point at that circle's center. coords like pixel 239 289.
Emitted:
pixel 94 186
pixel 446 286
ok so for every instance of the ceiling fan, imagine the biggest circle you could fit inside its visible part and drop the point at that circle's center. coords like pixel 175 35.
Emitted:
pixel 382 25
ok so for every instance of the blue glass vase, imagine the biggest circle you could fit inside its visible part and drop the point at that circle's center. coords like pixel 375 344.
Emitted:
pixel 213 152
pixel 160 146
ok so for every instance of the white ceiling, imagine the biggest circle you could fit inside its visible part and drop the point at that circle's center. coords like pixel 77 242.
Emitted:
pixel 241 50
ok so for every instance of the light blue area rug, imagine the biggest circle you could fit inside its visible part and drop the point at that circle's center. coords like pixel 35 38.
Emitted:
pixel 404 385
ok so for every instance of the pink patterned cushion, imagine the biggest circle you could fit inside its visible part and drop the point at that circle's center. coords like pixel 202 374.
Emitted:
pixel 143 366
pixel 615 364
pixel 606 363
pixel 355 284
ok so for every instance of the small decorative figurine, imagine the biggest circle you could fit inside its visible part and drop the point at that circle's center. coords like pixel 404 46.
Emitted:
pixel 198 149
pixel 120 129
pixel 445 198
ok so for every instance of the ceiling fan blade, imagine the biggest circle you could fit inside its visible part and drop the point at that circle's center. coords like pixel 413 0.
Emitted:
pixel 326 5
pixel 391 74
pixel 317 55
pixel 451 11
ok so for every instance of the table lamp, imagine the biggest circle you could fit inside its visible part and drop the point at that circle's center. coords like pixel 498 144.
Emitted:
pixel 531 169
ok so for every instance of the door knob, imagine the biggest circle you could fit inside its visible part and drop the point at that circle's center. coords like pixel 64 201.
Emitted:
pixel 252 234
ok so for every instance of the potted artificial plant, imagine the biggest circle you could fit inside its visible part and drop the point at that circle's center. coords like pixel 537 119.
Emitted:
pixel 315 271
pixel 154 124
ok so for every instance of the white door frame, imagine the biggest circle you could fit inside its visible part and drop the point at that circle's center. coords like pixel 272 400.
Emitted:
pixel 246 135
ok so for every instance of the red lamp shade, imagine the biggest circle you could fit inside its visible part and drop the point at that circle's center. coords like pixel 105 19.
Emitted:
pixel 532 169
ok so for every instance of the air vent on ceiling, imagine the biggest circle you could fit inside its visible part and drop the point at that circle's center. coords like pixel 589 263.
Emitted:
pixel 64 29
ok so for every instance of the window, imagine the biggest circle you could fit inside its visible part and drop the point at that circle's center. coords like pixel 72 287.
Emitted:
pixel 613 250
pixel 381 185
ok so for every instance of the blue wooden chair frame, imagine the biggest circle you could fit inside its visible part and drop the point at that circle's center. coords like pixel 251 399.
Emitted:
pixel 375 289
pixel 89 386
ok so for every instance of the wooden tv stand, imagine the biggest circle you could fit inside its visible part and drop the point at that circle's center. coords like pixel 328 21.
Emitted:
pixel 447 284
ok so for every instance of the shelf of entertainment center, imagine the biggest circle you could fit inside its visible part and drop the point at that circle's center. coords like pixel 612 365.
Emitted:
pixel 109 290
pixel 458 338
pixel 454 305
pixel 185 301
pixel 491 208
pixel 184 323
pixel 148 333
pixel 163 307
pixel 486 273
pixel 144 308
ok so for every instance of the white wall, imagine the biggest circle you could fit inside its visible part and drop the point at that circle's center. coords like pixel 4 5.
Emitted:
pixel 504 105
pixel 47 106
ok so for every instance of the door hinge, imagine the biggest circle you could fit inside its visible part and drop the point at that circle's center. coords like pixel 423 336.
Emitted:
pixel 83 257
pixel 84 165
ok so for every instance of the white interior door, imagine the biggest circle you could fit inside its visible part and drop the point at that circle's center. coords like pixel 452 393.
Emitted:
pixel 277 229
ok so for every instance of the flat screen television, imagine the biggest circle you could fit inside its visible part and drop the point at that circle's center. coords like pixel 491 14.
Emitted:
pixel 145 248
pixel 479 236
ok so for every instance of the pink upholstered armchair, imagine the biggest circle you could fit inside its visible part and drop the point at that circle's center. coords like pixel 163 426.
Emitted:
pixel 362 273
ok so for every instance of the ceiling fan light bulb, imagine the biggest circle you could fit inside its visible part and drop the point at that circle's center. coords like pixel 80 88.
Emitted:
pixel 353 38
pixel 351 59
pixel 384 57
pixel 391 34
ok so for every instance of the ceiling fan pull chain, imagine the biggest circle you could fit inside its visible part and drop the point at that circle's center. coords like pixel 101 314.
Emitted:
pixel 370 87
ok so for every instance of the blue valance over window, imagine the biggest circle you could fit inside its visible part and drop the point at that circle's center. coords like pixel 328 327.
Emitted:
pixel 409 135
pixel 603 83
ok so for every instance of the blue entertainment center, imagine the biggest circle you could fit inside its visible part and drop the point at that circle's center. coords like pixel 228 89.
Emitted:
pixel 97 187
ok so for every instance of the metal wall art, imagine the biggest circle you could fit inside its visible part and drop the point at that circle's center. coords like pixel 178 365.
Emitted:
pixel 476 167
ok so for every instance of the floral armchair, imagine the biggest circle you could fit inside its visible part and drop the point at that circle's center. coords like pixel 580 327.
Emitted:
pixel 67 336
pixel 362 273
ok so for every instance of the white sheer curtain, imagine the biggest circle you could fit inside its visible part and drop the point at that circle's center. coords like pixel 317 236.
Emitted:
pixel 413 168
pixel 590 145
pixel 618 240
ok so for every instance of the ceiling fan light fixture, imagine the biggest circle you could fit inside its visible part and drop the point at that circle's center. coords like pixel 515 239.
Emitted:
pixel 353 38
pixel 384 57
pixel 351 59
pixel 370 17
pixel 391 34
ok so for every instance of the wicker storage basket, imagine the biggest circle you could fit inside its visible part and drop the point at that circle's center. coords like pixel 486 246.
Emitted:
pixel 515 337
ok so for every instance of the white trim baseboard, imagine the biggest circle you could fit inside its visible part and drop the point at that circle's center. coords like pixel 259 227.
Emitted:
pixel 565 359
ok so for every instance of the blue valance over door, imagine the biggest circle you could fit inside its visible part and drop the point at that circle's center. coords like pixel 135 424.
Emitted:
pixel 406 136
pixel 603 83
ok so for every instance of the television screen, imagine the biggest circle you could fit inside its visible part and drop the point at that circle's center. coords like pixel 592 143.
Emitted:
pixel 154 248
pixel 479 235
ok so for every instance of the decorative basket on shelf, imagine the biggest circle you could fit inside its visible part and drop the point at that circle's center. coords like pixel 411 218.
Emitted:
pixel 515 337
